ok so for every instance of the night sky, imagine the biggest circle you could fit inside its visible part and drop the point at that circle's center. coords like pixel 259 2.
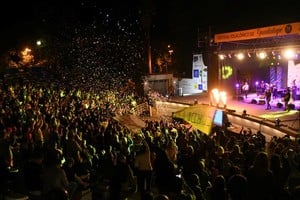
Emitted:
pixel 173 22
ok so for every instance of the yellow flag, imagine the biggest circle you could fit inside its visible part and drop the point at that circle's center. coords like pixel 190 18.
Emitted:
pixel 200 116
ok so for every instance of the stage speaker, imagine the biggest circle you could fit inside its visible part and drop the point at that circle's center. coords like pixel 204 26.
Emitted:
pixel 261 102
pixel 253 101
pixel 279 105
pixel 240 98
pixel 291 106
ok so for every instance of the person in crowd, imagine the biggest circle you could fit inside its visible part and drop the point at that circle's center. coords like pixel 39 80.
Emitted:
pixel 123 182
pixel 187 162
pixel 293 181
pixel 203 174
pixel 236 156
pixel 6 151
pixel 73 148
pixel 281 173
pixel 237 187
pixel 218 190
pixel 144 168
pixel 33 169
pixel 260 178
pixel 7 162
pixel 53 177
pixel 194 184
pixel 77 181
pixel 165 171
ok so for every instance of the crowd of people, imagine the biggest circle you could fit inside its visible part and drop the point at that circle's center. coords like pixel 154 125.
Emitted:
pixel 61 142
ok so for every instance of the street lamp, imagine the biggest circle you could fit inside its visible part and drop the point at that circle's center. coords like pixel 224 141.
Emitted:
pixel 38 42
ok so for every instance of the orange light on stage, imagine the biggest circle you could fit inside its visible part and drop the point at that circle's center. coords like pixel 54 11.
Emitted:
pixel 223 97
pixel 216 95
pixel 219 97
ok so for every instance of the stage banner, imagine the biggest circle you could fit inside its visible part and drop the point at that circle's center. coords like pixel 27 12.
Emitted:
pixel 200 116
pixel 257 33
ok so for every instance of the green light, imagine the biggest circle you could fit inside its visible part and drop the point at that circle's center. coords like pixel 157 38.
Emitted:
pixel 227 72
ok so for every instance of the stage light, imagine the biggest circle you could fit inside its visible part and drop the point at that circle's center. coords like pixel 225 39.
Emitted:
pixel 221 56
pixel 240 56
pixel 262 55
pixel 289 53
pixel 249 55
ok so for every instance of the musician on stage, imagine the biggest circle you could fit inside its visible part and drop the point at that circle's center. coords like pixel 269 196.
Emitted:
pixel 286 99
pixel 294 90
pixel 268 95
pixel 245 89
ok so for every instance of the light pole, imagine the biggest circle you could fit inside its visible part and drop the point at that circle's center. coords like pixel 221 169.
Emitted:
pixel 169 60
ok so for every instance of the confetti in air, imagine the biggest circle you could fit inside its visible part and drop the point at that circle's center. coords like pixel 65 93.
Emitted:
pixel 110 48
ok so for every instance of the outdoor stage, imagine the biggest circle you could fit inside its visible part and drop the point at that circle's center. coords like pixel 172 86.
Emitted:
pixel 289 120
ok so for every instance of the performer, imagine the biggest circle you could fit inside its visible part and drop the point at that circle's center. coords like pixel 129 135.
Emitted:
pixel 262 87
pixel 245 89
pixel 286 99
pixel 294 90
pixel 268 95
pixel 274 90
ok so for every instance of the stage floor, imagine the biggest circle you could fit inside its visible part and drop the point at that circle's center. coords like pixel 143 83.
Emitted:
pixel 290 118
pixel 253 98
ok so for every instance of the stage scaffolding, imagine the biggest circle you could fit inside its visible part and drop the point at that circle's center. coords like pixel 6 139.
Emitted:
pixel 271 40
